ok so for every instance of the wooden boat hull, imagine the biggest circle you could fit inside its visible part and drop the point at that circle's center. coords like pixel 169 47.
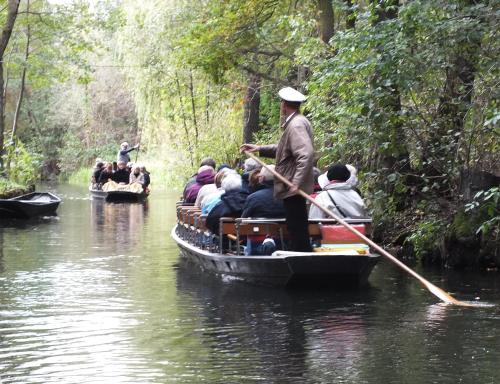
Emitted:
pixel 29 205
pixel 119 196
pixel 286 269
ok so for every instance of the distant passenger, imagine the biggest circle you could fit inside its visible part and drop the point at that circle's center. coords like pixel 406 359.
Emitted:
pixel 205 176
pixel 121 176
pixel 231 204
pixel 147 177
pixel 97 173
pixel 136 176
pixel 124 151
pixel 339 196
pixel 206 161
pixel 106 174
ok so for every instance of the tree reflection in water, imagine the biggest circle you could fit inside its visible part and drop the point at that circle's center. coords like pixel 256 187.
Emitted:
pixel 288 335
pixel 118 224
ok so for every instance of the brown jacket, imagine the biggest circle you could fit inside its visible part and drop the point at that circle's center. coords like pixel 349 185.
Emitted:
pixel 294 156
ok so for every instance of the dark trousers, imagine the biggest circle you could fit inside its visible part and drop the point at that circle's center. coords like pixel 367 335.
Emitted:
pixel 297 223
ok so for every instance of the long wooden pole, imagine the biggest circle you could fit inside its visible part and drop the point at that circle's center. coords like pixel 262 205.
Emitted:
pixel 442 295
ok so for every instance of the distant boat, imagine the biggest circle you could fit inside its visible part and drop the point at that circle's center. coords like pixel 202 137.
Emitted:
pixel 29 205
pixel 118 196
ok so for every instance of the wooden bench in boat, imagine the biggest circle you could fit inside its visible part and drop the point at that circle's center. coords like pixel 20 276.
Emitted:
pixel 191 218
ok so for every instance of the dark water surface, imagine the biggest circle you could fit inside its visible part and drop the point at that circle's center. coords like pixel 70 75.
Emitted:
pixel 96 296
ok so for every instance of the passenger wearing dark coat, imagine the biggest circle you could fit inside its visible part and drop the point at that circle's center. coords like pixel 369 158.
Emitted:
pixel 105 176
pixel 231 205
pixel 121 175
pixel 263 204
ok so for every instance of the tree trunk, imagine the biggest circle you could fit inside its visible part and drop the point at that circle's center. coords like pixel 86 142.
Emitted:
pixel 193 108
pixel 350 20
pixel 252 106
pixel 13 7
pixel 23 76
pixel 207 104
pixel 326 20
pixel 183 115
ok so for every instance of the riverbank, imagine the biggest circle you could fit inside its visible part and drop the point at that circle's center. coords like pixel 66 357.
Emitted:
pixel 10 189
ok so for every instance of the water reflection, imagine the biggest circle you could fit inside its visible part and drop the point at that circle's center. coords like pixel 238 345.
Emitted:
pixel 289 335
pixel 2 267
pixel 120 224
pixel 96 296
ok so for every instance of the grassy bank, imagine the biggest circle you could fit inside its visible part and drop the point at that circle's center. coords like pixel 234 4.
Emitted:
pixel 11 189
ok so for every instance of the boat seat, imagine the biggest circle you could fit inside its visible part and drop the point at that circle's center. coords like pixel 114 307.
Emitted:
pixel 256 227
pixel 227 226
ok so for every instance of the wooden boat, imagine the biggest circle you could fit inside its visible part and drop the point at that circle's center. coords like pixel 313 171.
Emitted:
pixel 282 268
pixel 118 196
pixel 29 205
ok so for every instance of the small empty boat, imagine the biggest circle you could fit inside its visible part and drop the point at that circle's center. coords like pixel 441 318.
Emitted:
pixel 29 205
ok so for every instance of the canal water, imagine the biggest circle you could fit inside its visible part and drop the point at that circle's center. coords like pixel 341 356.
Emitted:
pixel 96 295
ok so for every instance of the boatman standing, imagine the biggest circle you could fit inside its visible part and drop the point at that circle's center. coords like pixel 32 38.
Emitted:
pixel 294 156
pixel 123 152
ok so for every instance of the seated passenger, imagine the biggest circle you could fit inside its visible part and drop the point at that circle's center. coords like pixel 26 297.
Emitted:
pixel 96 174
pixel 147 177
pixel 106 174
pixel 121 176
pixel 339 196
pixel 262 202
pixel 205 176
pixel 231 202
pixel 136 176
pixel 206 161
pixel 254 184
pixel 211 189
pixel 249 165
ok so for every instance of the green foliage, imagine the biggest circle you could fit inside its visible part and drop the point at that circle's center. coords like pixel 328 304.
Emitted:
pixel 80 177
pixel 486 206
pixel 7 186
pixel 426 237
pixel 23 166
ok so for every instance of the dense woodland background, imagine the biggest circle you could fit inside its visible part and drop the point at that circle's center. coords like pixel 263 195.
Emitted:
pixel 407 91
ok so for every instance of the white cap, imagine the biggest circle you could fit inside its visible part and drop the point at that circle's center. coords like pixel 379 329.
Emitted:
pixel 290 94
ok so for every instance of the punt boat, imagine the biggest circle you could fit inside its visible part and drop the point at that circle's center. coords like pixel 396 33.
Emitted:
pixel 345 268
pixel 118 196
pixel 29 205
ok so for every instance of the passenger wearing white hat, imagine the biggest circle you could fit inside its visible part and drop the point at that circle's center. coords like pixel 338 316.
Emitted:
pixel 123 152
pixel 294 156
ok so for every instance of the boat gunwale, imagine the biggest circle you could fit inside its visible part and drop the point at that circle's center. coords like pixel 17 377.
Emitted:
pixel 284 257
